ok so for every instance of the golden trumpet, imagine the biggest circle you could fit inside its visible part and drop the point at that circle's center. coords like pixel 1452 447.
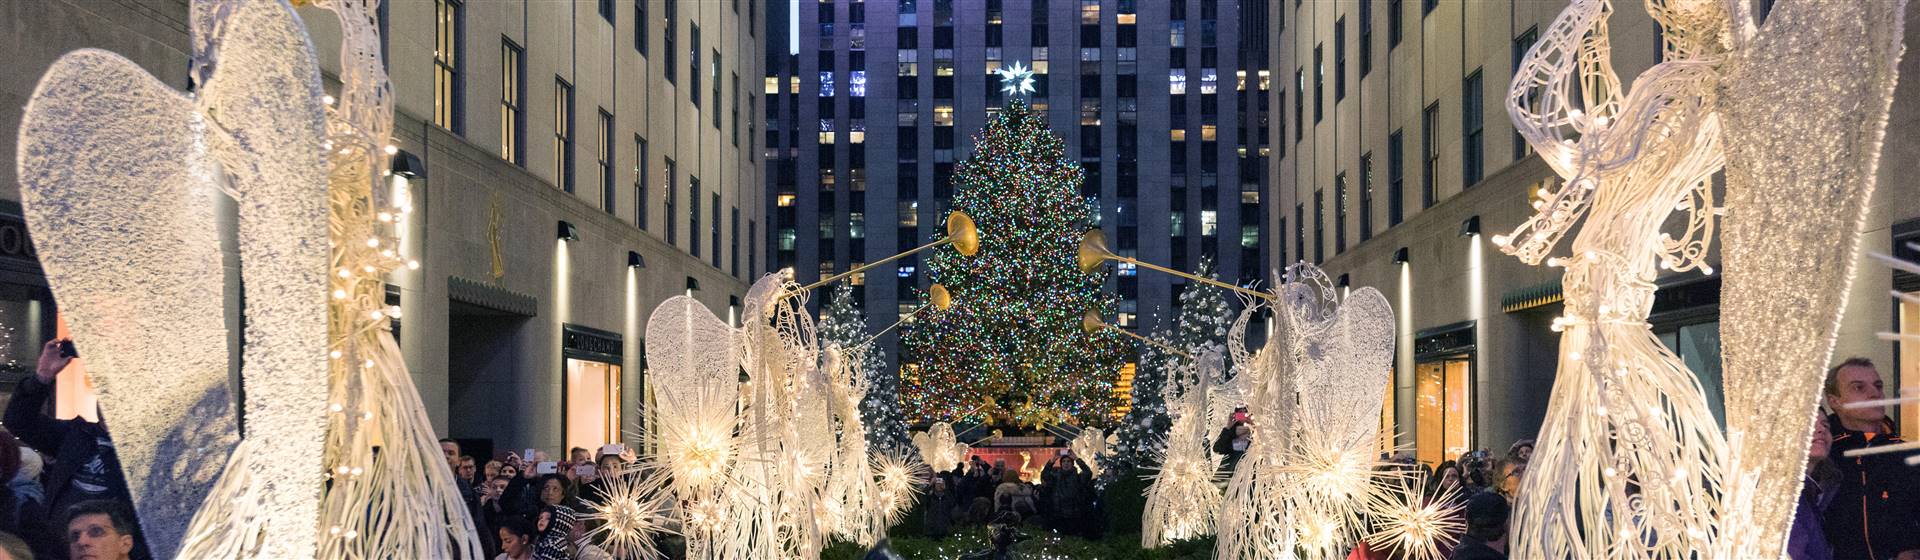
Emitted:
pixel 1092 323
pixel 938 296
pixel 1093 253
pixel 961 233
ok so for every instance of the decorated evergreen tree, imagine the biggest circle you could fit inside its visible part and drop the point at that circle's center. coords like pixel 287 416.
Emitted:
pixel 1011 348
pixel 1202 325
pixel 843 323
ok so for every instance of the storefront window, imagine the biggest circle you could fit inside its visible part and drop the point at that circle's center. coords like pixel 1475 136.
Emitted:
pixel 1442 407
pixel 593 403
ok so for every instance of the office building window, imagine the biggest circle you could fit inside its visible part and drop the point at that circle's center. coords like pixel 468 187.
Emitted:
pixel 1177 81
pixel 693 65
pixel 668 38
pixel 735 129
pixel 513 118
pixel 1319 83
pixel 606 161
pixel 1319 226
pixel 693 215
pixel 1521 45
pixel 1394 12
pixel 606 10
pixel 1471 126
pixel 733 244
pixel 1429 154
pixel 563 134
pixel 713 230
pixel 1299 104
pixel 717 86
pixel 1340 59
pixel 1340 213
pixel 1366 37
pixel 673 200
pixel 1299 231
pixel 1396 175
pixel 1427 6
pixel 1366 196
pixel 640 26
pixel 449 24
pixel 639 181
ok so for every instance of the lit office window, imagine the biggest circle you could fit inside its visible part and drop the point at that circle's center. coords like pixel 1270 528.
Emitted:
pixel 448 23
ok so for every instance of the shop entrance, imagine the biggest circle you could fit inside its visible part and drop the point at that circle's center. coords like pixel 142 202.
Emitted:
pixel 1443 383
pixel 591 390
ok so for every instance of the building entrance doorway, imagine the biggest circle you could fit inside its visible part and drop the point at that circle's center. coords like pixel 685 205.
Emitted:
pixel 1443 387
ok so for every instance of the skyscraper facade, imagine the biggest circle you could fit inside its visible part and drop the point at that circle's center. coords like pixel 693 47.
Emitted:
pixel 870 104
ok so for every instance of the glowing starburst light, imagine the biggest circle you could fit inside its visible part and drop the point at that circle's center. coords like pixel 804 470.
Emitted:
pixel 1410 524
pixel 627 516
pixel 1016 79
pixel 899 480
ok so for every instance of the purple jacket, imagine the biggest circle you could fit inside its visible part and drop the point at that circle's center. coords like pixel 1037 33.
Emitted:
pixel 1808 538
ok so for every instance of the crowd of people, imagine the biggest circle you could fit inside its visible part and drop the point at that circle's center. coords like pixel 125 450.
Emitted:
pixel 63 496
pixel 974 493
pixel 528 507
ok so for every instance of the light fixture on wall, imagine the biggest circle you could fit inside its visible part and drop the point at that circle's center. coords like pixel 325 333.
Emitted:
pixel 693 284
pixel 634 260
pixel 1400 256
pixel 407 165
pixel 1471 226
pixel 569 232
pixel 1343 281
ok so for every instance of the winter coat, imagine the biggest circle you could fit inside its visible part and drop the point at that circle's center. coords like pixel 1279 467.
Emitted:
pixel 84 465
pixel 1807 539
pixel 1875 512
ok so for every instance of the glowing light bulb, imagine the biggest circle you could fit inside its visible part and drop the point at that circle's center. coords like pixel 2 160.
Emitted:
pixel 345 274
pixel 373 242
pixel 336 407
pixel 328 99
pixel 334 354
pixel 414 265
pixel 339 294
pixel 374 315
pixel 1707 270
pixel 1602 411
pixel 392 149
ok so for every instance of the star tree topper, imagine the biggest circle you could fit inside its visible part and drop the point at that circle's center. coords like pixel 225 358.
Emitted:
pixel 1016 79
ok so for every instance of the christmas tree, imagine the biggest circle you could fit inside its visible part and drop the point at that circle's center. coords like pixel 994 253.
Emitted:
pixel 1204 319
pixel 842 323
pixel 1011 349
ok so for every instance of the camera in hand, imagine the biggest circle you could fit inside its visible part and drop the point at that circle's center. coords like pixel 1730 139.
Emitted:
pixel 67 350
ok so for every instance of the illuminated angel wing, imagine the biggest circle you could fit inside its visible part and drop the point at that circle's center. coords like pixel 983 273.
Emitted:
pixel 690 351
pixel 119 194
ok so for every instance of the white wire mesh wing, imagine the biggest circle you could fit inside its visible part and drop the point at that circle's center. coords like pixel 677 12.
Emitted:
pixel 1805 107
pixel 690 351
pixel 119 194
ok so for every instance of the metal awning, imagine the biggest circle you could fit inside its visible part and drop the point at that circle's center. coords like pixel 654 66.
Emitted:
pixel 1529 297
pixel 491 297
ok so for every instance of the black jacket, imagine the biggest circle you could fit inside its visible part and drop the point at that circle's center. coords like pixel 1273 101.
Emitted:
pixel 1875 513
pixel 71 445
pixel 1472 548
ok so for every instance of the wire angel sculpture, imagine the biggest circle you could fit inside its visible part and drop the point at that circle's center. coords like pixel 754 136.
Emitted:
pixel 1311 471
pixel 1183 497
pixel 939 447
pixel 1631 463
pixel 119 174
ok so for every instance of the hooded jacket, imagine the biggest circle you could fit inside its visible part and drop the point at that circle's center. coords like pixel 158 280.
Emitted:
pixel 1875 512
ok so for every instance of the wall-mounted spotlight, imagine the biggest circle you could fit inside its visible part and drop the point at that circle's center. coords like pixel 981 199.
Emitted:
pixel 1400 256
pixel 1343 281
pixel 569 232
pixel 634 260
pixel 407 165
pixel 1470 227
pixel 693 284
